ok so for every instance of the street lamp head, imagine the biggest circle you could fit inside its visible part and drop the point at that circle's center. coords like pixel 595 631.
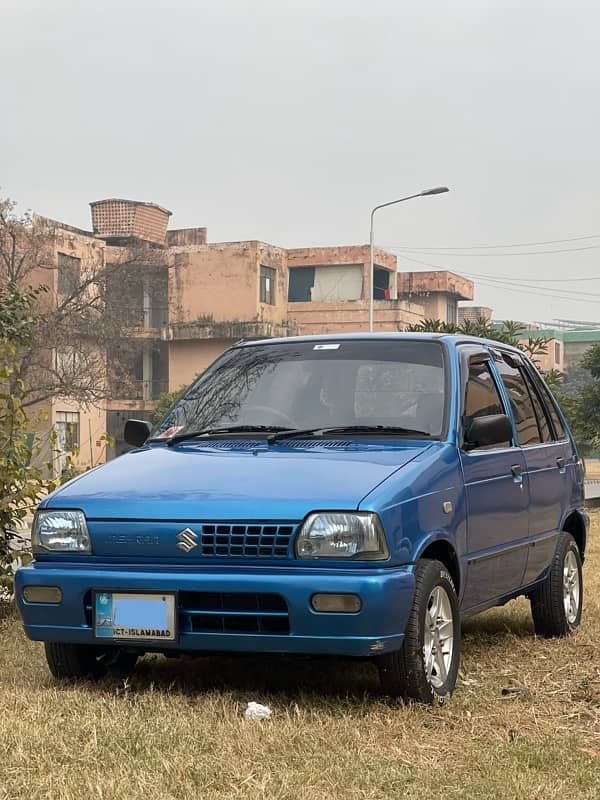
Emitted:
pixel 435 190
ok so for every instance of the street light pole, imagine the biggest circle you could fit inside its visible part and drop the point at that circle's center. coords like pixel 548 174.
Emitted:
pixel 426 193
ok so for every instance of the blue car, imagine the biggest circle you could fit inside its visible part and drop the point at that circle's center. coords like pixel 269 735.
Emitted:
pixel 352 495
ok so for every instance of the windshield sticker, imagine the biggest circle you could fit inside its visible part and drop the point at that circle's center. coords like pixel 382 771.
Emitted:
pixel 326 347
pixel 170 432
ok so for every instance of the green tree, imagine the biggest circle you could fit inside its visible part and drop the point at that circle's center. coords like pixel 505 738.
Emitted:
pixel 508 332
pixel 582 406
pixel 164 403
pixel 22 482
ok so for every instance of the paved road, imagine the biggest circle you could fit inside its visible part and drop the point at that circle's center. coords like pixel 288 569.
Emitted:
pixel 592 491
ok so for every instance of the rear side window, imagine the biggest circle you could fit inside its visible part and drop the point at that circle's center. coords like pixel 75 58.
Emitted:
pixel 481 397
pixel 551 407
pixel 530 419
pixel 540 412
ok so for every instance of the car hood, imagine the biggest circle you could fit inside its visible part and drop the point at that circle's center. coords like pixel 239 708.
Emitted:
pixel 197 481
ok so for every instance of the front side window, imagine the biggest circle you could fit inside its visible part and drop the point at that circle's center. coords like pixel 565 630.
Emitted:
pixel 319 384
pixel 267 285
pixel 67 431
pixel 482 398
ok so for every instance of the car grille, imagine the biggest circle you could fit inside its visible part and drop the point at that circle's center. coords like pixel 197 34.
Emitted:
pixel 249 541
pixel 233 612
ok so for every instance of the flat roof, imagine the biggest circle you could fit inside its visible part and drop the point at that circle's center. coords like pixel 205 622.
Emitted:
pixel 562 335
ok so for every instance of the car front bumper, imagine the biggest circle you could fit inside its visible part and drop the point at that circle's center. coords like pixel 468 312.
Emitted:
pixel 386 596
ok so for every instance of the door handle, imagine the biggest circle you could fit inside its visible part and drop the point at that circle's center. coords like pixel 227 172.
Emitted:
pixel 560 463
pixel 517 473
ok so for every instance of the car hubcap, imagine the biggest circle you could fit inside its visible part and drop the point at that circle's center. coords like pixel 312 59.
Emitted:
pixel 439 637
pixel 571 589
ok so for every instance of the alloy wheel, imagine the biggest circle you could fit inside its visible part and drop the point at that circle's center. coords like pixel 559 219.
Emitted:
pixel 438 642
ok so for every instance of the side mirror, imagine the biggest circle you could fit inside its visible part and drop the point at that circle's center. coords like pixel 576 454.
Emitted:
pixel 488 430
pixel 136 432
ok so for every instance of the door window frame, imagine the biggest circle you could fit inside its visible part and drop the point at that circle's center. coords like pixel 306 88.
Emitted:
pixel 467 353
pixel 515 361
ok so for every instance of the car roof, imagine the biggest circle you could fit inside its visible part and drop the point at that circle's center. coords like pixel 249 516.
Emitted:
pixel 452 339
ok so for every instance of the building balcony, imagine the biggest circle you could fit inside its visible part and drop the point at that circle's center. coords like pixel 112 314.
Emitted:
pixel 350 316
pixel 228 329
pixel 135 390
pixel 415 284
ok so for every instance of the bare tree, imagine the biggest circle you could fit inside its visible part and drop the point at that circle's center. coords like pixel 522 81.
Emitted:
pixel 85 337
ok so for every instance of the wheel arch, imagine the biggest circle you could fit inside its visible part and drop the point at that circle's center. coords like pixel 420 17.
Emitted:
pixel 575 525
pixel 443 550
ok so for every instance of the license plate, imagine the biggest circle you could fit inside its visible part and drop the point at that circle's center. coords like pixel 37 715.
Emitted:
pixel 127 616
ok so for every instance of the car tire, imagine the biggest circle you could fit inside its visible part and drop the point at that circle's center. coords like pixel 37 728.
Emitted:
pixel 426 667
pixel 77 661
pixel 557 603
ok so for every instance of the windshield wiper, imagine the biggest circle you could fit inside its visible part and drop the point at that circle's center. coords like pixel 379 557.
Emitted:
pixel 181 437
pixel 290 434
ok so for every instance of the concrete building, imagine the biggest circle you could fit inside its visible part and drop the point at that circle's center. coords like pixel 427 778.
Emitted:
pixel 473 313
pixel 202 297
pixel 565 348
pixel 437 292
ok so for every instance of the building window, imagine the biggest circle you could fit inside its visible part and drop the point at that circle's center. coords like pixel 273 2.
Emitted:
pixel 302 281
pixel 267 285
pixel 69 274
pixel 381 284
pixel 331 283
pixel 557 352
pixel 67 431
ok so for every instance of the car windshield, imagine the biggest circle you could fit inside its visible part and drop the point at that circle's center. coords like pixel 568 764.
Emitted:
pixel 317 384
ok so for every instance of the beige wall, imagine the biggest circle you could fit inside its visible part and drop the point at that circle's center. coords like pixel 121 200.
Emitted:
pixel 546 361
pixel 221 281
pixel 92 426
pixel 435 306
pixel 351 316
pixel 187 359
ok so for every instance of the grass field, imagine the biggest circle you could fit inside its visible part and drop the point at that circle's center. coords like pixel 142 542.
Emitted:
pixel 176 729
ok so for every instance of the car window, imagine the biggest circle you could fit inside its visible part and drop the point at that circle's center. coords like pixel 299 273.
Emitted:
pixel 551 408
pixel 311 384
pixel 412 393
pixel 540 411
pixel 481 397
pixel 528 430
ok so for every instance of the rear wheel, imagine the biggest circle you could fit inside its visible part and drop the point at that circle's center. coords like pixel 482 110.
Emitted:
pixel 71 661
pixel 426 667
pixel 556 605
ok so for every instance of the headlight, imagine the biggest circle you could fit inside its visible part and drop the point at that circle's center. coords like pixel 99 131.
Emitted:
pixel 60 532
pixel 356 535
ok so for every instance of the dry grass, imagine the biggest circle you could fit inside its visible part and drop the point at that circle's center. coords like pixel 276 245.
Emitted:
pixel 176 730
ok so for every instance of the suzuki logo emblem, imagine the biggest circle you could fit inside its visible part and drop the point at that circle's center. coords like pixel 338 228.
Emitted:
pixel 187 540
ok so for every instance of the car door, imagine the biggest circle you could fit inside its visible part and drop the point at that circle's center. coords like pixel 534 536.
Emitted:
pixel 496 489
pixel 551 466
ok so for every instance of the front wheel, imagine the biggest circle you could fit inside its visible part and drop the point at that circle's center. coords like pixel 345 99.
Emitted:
pixel 556 604
pixel 75 661
pixel 426 667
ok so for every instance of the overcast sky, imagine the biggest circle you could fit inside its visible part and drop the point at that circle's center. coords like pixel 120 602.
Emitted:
pixel 287 121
